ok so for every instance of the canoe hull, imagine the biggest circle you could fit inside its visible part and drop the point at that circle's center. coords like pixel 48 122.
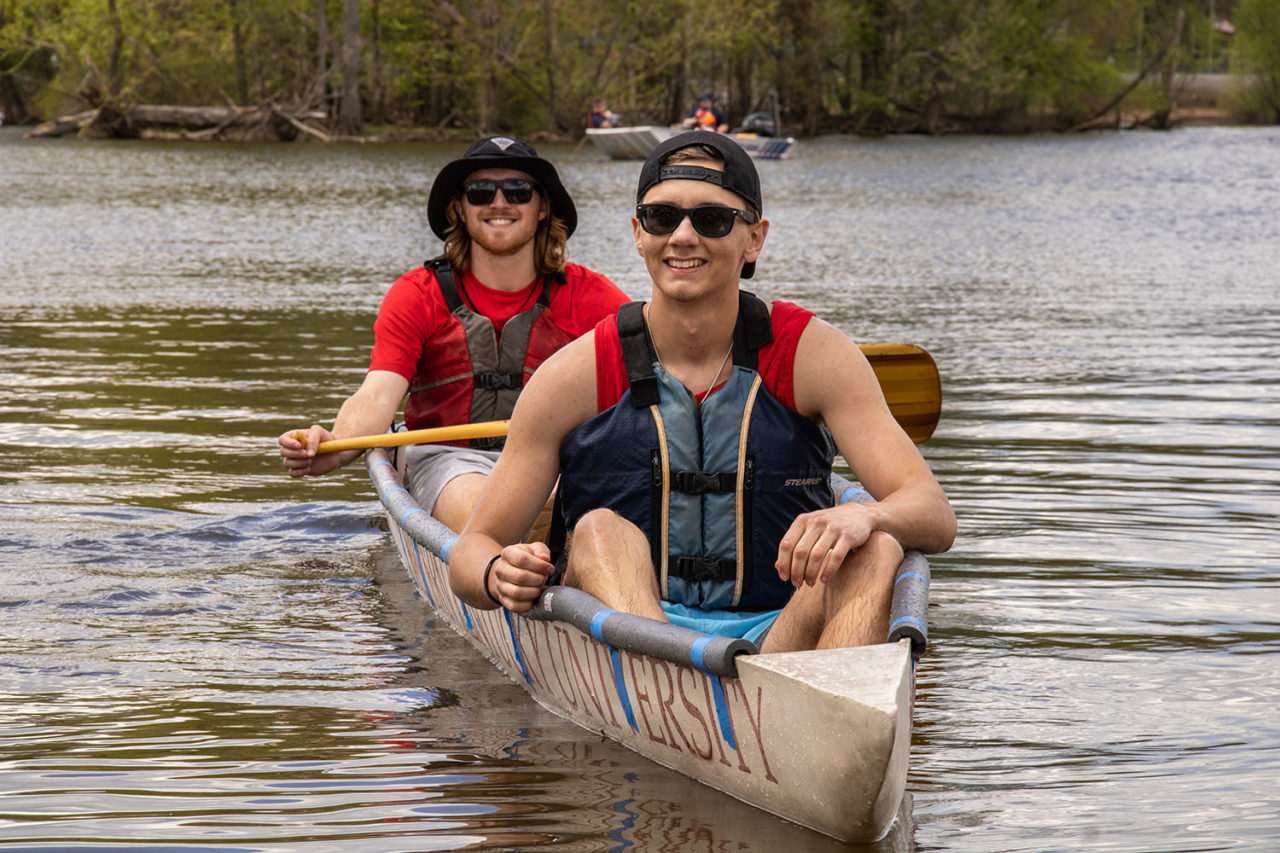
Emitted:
pixel 820 738
pixel 635 143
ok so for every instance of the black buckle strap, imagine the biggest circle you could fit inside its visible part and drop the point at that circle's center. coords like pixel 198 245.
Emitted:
pixel 637 355
pixel 499 381
pixel 703 568
pixel 703 482
pixel 753 331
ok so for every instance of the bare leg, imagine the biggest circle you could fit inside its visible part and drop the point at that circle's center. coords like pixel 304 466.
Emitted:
pixel 457 498
pixel 851 610
pixel 609 558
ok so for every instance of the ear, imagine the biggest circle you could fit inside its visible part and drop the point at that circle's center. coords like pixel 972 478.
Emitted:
pixel 638 233
pixel 755 242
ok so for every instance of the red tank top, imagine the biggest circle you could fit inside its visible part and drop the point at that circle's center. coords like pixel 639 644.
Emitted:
pixel 775 360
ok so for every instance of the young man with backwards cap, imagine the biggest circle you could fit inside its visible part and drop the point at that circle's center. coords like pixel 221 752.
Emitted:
pixel 463 333
pixel 687 435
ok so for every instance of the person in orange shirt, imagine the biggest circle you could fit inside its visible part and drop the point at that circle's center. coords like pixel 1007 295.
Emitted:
pixel 707 116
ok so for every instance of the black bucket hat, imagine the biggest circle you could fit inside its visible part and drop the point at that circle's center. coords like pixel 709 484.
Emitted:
pixel 497 152
pixel 739 176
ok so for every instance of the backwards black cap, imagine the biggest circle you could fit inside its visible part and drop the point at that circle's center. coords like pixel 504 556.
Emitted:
pixel 739 176
pixel 497 152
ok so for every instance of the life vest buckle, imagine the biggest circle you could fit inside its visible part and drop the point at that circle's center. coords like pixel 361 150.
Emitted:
pixel 499 381
pixel 704 569
pixel 702 482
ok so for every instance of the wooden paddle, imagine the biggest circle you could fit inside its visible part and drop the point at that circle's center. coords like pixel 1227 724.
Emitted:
pixel 460 432
pixel 907 374
pixel 911 385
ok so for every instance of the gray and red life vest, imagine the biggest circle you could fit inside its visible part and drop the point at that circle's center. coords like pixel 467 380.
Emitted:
pixel 447 391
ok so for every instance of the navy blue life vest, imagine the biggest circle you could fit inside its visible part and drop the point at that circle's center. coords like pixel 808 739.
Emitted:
pixel 714 487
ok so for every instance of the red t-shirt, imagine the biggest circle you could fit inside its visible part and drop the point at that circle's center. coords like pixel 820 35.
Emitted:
pixel 414 311
pixel 775 360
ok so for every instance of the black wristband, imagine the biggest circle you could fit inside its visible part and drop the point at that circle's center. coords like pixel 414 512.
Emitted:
pixel 488 569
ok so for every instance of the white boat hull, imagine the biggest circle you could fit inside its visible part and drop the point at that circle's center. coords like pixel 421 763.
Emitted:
pixel 820 738
pixel 635 143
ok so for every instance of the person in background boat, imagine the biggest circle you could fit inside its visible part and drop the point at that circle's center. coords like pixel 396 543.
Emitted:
pixel 707 116
pixel 461 334
pixel 601 115
pixel 690 439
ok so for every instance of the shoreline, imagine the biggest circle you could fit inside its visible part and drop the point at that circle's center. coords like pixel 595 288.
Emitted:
pixel 1197 101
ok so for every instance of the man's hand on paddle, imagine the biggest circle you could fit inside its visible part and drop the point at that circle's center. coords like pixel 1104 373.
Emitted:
pixel 298 450
pixel 519 575
pixel 817 543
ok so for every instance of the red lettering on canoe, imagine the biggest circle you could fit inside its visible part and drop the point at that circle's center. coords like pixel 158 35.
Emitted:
pixel 696 712
pixel 640 696
pixel 754 721
pixel 664 703
pixel 604 670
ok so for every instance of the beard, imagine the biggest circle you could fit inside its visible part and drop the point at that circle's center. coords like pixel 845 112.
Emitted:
pixel 507 240
pixel 505 243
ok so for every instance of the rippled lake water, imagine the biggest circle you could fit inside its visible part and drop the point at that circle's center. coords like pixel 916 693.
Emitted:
pixel 197 653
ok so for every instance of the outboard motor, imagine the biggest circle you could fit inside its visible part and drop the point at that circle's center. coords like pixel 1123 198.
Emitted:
pixel 761 124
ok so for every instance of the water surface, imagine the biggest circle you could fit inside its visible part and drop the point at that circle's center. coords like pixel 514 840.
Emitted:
pixel 198 653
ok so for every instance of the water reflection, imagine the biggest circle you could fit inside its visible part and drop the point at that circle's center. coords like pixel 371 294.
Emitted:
pixel 199 653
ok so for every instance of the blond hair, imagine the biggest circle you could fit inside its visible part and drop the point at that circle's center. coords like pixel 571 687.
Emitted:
pixel 550 241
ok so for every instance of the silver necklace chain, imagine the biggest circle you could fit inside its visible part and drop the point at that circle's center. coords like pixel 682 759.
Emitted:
pixel 699 399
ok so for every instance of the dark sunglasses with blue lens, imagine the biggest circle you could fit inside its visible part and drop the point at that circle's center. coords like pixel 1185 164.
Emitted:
pixel 709 220
pixel 514 190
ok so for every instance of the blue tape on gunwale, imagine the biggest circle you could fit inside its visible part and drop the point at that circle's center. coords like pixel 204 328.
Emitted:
pixel 695 653
pixel 909 620
pixel 447 548
pixel 851 493
pixel 722 710
pixel 515 644
pixel 422 570
pixel 597 624
pixel 615 660
pixel 906 575
pixel 410 512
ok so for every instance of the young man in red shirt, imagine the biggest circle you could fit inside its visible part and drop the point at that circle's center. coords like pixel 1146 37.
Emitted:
pixel 462 334
pixel 689 436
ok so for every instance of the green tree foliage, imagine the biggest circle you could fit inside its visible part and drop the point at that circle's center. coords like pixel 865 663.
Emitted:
pixel 1257 58
pixel 530 66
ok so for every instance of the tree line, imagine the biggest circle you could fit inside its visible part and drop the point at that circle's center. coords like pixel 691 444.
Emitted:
pixel 532 67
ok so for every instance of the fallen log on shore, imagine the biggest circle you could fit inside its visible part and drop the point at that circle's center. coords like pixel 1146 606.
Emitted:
pixel 254 122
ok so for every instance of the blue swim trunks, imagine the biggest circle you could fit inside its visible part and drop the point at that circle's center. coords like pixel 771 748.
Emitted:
pixel 722 623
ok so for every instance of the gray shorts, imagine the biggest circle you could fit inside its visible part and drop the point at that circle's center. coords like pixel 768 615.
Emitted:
pixel 432 466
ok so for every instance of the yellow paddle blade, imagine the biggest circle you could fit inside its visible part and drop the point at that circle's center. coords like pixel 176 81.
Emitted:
pixel 912 388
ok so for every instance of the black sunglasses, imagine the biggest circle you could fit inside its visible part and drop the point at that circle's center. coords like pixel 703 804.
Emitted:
pixel 514 190
pixel 709 220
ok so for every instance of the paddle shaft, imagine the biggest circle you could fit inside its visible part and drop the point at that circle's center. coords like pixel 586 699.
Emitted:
pixel 907 375
pixel 460 432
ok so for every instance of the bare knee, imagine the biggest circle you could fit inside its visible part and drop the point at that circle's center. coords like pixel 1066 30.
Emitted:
pixel 609 558
pixel 604 542
pixel 599 526
pixel 865 581
pixel 885 554
pixel 456 500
